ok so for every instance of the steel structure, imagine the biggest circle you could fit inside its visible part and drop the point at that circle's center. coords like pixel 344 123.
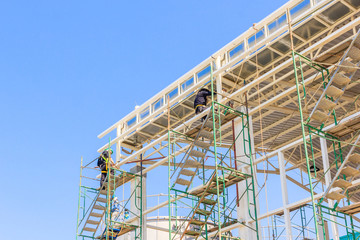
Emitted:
pixel 283 128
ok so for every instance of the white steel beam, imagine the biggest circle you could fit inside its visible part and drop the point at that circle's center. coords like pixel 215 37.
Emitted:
pixel 284 193
pixel 252 84
pixel 325 158
pixel 222 52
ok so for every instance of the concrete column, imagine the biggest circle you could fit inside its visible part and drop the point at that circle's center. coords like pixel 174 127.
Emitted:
pixel 244 207
pixel 135 201
pixel 326 165
pixel 284 194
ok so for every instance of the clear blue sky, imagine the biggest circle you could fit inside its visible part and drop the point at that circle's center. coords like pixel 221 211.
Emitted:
pixel 70 69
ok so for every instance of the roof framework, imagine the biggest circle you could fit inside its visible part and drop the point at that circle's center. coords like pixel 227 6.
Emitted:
pixel 258 63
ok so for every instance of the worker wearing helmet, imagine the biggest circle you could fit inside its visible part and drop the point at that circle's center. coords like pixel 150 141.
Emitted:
pixel 115 210
pixel 126 214
pixel 104 162
pixel 201 101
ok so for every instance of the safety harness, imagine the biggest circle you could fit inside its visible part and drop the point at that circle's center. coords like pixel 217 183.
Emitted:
pixel 199 105
pixel 106 164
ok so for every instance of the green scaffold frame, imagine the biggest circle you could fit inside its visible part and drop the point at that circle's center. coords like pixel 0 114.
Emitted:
pixel 308 133
pixel 96 202
pixel 213 211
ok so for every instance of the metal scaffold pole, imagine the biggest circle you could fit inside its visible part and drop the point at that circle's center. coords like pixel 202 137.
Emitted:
pixel 310 128
pixel 79 201
pixel 215 150
pixel 305 144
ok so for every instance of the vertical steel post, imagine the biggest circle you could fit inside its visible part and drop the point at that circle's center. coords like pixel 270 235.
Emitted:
pixel 78 212
pixel 284 192
pixel 169 169
pixel 305 145
pixel 215 150
pixel 326 165
pixel 108 207
pixel 252 172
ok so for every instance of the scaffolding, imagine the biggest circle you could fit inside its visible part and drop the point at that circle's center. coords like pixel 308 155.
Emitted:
pixel 206 161
pixel 275 154
pixel 321 109
pixel 100 216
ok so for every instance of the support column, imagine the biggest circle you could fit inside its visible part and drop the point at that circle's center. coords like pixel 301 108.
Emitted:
pixel 244 210
pixel 118 146
pixel 218 80
pixel 284 193
pixel 219 88
pixel 326 165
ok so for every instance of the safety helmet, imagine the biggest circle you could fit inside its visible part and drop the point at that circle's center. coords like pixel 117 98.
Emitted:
pixel 109 150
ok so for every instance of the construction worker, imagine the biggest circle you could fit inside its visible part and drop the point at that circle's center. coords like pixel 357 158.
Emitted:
pixel 126 214
pixel 201 101
pixel 103 164
pixel 115 210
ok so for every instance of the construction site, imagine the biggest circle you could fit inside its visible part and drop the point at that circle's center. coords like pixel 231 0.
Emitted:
pixel 274 154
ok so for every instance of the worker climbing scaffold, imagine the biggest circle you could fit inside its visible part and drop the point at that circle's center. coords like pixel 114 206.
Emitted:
pixel 104 162
pixel 200 101
pixel 101 215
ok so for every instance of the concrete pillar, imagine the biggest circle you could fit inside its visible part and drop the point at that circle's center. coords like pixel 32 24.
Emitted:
pixel 244 207
pixel 284 194
pixel 326 165
pixel 135 201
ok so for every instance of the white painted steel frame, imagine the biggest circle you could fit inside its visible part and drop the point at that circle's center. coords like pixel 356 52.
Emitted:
pixel 241 91
pixel 224 65
pixel 281 160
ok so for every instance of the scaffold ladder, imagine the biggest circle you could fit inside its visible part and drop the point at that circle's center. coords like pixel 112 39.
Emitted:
pixel 334 86
pixel 198 149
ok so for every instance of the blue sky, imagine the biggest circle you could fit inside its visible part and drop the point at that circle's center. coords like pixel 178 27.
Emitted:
pixel 70 69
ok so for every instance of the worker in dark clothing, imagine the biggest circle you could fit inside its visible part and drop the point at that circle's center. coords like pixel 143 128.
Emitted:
pixel 103 164
pixel 201 101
